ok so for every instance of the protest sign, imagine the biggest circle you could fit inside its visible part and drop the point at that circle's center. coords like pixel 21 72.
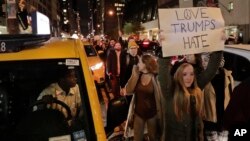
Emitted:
pixel 191 30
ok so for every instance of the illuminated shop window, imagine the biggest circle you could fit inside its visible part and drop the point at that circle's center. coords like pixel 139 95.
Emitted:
pixel 230 6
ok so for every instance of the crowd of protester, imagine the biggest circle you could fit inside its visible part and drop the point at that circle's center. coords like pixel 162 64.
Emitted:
pixel 199 90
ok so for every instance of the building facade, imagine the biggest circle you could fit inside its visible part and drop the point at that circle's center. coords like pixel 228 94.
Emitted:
pixel 237 18
pixel 146 13
pixel 49 8
pixel 69 16
pixel 63 17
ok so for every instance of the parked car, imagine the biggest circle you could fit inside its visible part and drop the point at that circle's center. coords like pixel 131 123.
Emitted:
pixel 96 64
pixel 150 47
pixel 237 59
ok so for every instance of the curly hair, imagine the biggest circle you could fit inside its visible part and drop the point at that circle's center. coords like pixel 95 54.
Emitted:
pixel 150 63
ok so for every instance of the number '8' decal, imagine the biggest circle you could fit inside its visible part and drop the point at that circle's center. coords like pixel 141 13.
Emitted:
pixel 3 47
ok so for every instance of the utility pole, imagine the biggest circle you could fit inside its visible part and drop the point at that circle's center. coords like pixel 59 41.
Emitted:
pixel 118 22
pixel 78 22
pixel 119 12
pixel 102 16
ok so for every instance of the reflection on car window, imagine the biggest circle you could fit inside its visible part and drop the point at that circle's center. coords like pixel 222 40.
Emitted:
pixel 239 65
pixel 21 82
pixel 90 51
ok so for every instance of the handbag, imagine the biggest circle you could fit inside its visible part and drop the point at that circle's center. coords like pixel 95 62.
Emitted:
pixel 119 101
pixel 117 112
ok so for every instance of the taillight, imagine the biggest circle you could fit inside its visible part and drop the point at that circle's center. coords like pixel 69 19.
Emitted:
pixel 145 44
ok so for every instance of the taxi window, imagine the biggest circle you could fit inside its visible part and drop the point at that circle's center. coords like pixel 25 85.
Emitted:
pixel 90 51
pixel 21 83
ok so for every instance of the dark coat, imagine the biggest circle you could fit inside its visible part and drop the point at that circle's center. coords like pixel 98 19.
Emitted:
pixel 204 77
pixel 111 63
pixel 181 130
pixel 127 62
pixel 237 112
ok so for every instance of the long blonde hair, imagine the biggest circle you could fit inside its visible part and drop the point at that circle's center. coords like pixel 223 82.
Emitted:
pixel 181 98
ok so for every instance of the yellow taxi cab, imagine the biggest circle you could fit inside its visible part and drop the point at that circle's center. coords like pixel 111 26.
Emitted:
pixel 28 64
pixel 96 64
pixel 25 73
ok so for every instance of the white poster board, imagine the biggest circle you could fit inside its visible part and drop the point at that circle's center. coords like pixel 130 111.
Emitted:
pixel 191 30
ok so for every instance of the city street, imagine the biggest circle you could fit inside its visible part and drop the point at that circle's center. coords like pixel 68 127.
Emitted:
pixel 125 70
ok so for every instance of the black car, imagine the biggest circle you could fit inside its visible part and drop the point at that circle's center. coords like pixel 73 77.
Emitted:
pixel 150 46
pixel 237 59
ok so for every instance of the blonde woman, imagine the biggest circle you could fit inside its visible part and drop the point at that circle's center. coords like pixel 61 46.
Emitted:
pixel 184 107
pixel 147 103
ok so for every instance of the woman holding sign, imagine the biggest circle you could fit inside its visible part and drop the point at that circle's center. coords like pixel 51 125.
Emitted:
pixel 194 126
pixel 184 106
pixel 202 77
pixel 190 41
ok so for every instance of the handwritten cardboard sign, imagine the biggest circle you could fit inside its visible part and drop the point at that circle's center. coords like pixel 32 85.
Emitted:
pixel 191 30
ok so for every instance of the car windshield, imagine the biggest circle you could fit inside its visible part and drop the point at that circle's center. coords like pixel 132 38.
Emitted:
pixel 21 83
pixel 90 51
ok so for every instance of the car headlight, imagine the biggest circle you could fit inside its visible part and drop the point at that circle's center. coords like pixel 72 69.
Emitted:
pixel 96 66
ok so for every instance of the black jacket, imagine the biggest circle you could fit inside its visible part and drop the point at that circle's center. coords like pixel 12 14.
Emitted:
pixel 127 62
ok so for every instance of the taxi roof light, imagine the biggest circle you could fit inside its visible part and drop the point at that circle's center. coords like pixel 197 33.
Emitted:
pixel 16 42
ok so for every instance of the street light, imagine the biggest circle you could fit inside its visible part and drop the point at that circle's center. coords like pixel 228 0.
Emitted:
pixel 111 12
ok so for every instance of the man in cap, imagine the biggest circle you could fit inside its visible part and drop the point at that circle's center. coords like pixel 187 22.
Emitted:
pixel 128 60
